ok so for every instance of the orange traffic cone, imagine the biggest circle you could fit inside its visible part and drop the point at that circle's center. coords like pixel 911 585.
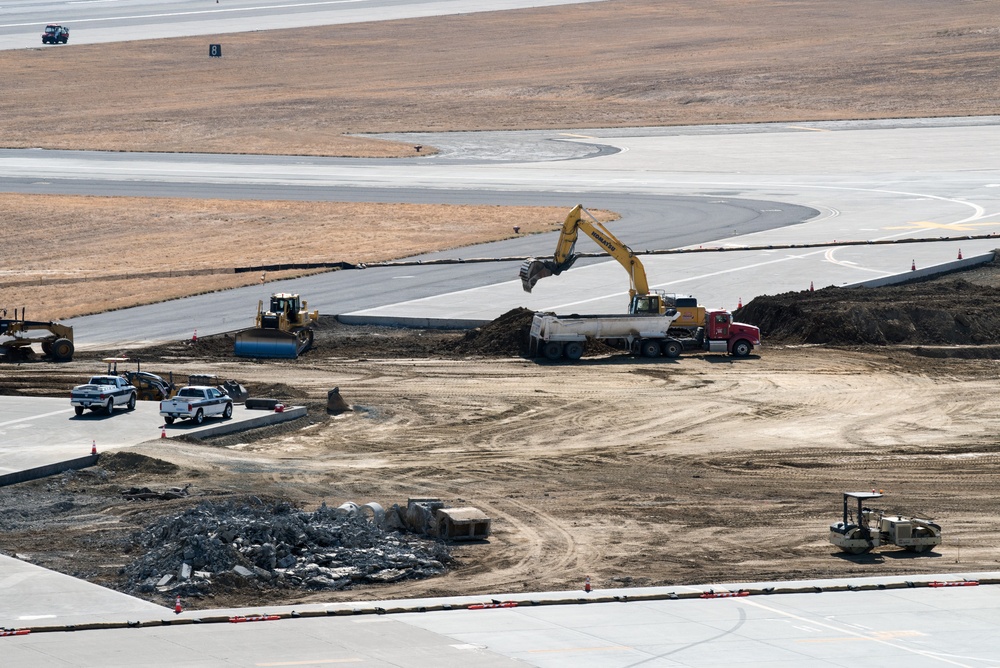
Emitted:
pixel 177 605
pixel 163 431
pixel 913 265
pixel 811 288
pixel 739 304
pixel 959 253
pixel 586 584
pixel 194 337
pixel 93 447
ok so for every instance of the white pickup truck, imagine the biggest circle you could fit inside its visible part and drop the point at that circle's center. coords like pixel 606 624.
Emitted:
pixel 103 393
pixel 196 402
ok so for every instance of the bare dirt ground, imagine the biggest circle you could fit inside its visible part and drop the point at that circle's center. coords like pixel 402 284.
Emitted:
pixel 631 471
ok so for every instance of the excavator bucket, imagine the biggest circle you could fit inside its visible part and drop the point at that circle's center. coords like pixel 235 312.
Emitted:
pixel 272 343
pixel 533 270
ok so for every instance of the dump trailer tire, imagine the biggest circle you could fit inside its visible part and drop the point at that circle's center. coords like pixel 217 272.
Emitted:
pixel 649 348
pixel 552 350
pixel 573 350
pixel 672 349
pixel 62 350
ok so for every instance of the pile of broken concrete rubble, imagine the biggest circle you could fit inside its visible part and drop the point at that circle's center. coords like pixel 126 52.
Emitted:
pixel 275 544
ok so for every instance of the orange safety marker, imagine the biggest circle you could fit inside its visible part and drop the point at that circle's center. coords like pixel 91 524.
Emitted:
pixel 93 447
pixel 163 431
pixel 739 304
pixel 14 632
pixel 484 606
pixel 254 618
pixel 194 337
pixel 177 605
pixel 725 594
pixel 913 265
pixel 954 583
pixel 811 288
pixel 959 253
pixel 586 584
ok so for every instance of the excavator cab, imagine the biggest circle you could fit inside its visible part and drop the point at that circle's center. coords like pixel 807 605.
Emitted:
pixel 653 304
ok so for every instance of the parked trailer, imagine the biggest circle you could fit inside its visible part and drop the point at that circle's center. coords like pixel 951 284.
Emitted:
pixel 648 334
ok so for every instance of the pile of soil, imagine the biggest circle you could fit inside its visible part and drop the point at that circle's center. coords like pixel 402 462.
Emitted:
pixel 949 312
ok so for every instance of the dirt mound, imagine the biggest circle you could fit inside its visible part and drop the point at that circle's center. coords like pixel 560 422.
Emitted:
pixel 505 336
pixel 953 312
pixel 131 462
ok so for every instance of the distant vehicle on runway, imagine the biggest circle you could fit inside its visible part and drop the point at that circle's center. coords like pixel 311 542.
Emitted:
pixel 55 34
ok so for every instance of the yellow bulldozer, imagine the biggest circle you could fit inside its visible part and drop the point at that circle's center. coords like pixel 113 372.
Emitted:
pixel 17 335
pixel 284 330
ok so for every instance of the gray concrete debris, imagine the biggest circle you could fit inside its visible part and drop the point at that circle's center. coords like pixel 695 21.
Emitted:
pixel 274 544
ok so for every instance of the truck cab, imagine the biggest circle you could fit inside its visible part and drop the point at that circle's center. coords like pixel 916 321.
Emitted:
pixel 725 336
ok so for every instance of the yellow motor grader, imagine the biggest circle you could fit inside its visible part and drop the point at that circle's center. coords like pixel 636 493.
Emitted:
pixel 17 335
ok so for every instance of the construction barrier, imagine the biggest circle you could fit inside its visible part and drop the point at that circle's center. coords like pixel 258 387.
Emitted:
pixel 254 618
pixel 954 583
pixel 14 632
pixel 484 606
pixel 725 594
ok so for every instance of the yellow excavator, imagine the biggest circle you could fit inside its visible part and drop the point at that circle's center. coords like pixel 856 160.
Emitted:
pixel 641 298
pixel 284 330
pixel 17 335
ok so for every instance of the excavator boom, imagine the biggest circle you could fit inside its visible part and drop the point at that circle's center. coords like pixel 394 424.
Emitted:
pixel 533 270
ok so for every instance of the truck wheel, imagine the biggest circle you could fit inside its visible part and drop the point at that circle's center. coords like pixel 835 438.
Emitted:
pixel 199 416
pixel 672 349
pixel 649 348
pixel 742 348
pixel 552 350
pixel 168 420
pixel 78 410
pixel 573 350
pixel 109 408
pixel 131 402
pixel 228 412
pixel 62 350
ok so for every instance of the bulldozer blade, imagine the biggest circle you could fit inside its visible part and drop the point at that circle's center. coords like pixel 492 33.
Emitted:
pixel 270 343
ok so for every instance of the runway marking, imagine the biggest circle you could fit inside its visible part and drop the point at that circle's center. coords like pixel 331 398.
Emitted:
pixel 310 663
pixel 802 127
pixel 570 134
pixel 195 13
pixel 875 638
pixel 35 417
pixel 954 227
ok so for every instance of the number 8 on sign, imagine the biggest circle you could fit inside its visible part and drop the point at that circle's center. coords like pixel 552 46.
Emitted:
pixel 215 50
